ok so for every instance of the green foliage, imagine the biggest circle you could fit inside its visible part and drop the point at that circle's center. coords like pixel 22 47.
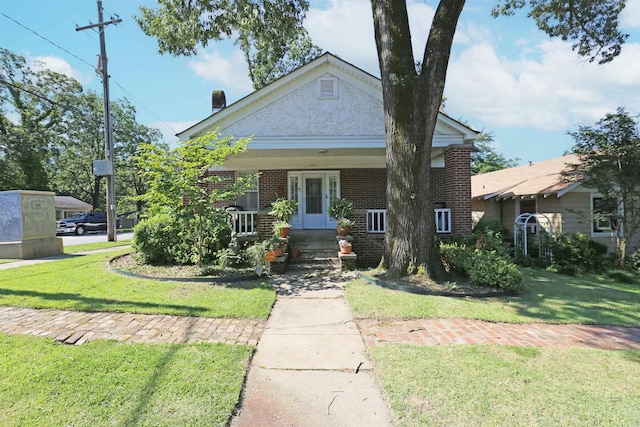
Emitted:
pixel 455 258
pixel 484 268
pixel 633 262
pixel 340 208
pixel 255 256
pixel 622 276
pixel 489 235
pixel 177 182
pixel 609 156
pixel 576 253
pixel 283 209
pixel 40 102
pixel 487 268
pixel 591 25
pixel 488 159
pixel 157 239
pixel 270 34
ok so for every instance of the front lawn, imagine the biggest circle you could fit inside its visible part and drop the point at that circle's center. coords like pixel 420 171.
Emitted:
pixel 83 283
pixel 44 383
pixel 548 297
pixel 74 249
pixel 509 386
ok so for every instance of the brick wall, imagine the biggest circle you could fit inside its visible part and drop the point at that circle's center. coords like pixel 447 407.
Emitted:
pixel 229 178
pixel 457 183
pixel 365 188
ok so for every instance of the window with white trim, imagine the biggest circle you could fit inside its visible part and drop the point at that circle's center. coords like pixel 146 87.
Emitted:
pixel 249 201
pixel 327 87
pixel 604 214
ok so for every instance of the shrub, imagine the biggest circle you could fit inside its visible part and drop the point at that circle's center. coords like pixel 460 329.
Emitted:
pixel 633 261
pixel 622 276
pixel 156 239
pixel 164 239
pixel 490 269
pixel 455 258
pixel 579 251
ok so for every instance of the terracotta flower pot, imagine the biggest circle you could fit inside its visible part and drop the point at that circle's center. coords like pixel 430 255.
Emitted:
pixel 346 249
pixel 295 253
pixel 284 232
pixel 277 252
pixel 342 231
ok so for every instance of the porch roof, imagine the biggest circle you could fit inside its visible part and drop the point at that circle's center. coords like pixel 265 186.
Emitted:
pixel 535 179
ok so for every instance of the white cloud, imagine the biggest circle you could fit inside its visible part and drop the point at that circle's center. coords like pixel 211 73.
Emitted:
pixel 61 66
pixel 555 92
pixel 630 17
pixel 345 28
pixel 230 73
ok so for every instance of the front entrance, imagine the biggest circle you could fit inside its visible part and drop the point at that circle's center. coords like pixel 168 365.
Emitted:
pixel 313 191
pixel 313 201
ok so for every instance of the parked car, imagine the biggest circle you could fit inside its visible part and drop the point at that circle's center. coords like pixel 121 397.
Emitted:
pixel 82 223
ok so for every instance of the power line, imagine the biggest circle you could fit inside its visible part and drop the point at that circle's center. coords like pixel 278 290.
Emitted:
pixel 46 39
pixel 164 124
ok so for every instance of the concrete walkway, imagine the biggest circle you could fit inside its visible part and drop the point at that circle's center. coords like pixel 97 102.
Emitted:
pixel 310 367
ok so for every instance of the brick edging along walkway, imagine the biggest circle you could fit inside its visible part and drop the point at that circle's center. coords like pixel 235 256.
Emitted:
pixel 76 327
pixel 477 332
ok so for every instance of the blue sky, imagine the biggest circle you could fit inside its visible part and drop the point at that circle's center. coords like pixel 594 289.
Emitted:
pixel 505 76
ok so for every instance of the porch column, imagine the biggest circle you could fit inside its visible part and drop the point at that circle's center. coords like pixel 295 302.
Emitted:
pixel 457 162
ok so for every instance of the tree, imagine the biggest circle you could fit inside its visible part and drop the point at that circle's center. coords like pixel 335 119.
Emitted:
pixel 178 184
pixel 411 95
pixel 488 159
pixel 269 33
pixel 40 101
pixel 609 155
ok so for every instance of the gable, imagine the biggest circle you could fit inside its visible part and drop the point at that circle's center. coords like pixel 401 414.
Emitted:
pixel 304 111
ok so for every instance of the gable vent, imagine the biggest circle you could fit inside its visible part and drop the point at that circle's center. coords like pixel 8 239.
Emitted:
pixel 327 87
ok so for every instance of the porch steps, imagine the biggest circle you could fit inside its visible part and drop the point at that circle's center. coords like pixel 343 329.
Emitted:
pixel 318 250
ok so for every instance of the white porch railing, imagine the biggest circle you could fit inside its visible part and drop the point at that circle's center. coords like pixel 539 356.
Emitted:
pixel 377 221
pixel 244 223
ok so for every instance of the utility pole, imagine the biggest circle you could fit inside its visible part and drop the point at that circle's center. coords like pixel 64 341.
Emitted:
pixel 108 134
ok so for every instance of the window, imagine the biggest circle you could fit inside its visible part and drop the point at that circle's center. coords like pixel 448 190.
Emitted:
pixel 249 201
pixel 603 215
pixel 327 87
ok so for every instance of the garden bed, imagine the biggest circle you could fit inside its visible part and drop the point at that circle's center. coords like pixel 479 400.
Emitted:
pixel 131 265
pixel 421 285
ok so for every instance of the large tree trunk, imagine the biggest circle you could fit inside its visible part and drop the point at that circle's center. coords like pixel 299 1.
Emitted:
pixel 411 104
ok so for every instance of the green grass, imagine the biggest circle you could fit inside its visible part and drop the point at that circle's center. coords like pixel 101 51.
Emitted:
pixel 43 383
pixel 509 386
pixel 547 298
pixel 94 246
pixel 83 283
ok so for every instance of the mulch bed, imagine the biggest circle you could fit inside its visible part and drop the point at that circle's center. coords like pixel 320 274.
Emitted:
pixel 417 284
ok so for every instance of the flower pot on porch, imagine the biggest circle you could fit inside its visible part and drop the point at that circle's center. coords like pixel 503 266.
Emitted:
pixel 277 252
pixel 295 253
pixel 342 231
pixel 346 249
pixel 284 232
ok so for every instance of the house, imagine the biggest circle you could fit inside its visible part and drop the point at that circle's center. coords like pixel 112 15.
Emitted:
pixel 67 206
pixel 539 188
pixel 318 134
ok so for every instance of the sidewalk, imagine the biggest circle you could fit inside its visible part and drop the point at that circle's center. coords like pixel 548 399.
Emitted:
pixel 310 367
pixel 21 262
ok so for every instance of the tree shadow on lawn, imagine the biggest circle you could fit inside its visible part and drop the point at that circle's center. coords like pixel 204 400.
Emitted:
pixel 587 300
pixel 82 303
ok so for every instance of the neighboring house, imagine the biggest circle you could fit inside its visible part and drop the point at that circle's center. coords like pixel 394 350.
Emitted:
pixel 318 134
pixel 67 206
pixel 540 188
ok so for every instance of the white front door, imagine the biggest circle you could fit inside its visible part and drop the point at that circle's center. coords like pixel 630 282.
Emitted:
pixel 313 206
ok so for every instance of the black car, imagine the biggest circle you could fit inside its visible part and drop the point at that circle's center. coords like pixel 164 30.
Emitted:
pixel 82 223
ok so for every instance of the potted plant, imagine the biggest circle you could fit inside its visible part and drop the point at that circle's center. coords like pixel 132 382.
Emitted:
pixel 276 246
pixel 340 208
pixel 281 228
pixel 344 225
pixel 345 246
pixel 283 209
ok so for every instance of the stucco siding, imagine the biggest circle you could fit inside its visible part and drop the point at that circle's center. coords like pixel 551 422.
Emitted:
pixel 302 113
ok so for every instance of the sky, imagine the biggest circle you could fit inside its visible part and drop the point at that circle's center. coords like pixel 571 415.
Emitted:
pixel 505 76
